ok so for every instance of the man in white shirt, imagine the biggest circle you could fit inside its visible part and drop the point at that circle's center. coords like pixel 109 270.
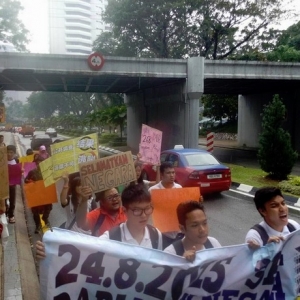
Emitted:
pixel 270 204
pixel 137 205
pixel 193 224
pixel 167 175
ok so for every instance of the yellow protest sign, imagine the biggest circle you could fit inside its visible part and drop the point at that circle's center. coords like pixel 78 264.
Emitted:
pixel 27 158
pixel 46 167
pixel 67 155
pixel 106 173
pixel 4 189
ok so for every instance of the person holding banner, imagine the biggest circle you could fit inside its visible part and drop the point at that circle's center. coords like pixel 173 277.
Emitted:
pixel 193 224
pixel 136 230
pixel 35 175
pixel 70 197
pixel 271 206
pixel 99 220
pixel 167 174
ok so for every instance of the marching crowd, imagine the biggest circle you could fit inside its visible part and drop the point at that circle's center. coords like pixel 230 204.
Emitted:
pixel 125 216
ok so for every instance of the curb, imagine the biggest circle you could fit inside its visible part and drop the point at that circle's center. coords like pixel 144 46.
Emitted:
pixel 246 191
pixel 27 267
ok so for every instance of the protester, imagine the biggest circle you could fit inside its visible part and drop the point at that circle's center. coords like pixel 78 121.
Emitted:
pixel 29 151
pixel 10 209
pixel 43 152
pixel 138 165
pixel 271 205
pixel 35 175
pixel 70 198
pixel 2 144
pixel 167 174
pixel 99 220
pixel 138 208
pixel 193 224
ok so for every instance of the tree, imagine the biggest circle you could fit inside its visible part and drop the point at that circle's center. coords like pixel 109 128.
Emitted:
pixel 11 28
pixel 180 28
pixel 220 106
pixel 275 154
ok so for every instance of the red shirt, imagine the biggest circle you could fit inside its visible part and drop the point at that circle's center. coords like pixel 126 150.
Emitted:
pixel 109 221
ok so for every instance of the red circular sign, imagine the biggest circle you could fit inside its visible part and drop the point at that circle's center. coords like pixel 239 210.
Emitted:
pixel 95 61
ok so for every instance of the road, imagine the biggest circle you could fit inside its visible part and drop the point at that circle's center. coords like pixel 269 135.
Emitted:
pixel 229 217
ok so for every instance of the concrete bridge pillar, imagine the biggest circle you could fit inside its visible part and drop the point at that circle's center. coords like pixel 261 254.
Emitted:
pixel 250 108
pixel 173 109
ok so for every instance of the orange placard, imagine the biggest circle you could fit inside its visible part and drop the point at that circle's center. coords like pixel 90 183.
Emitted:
pixel 165 202
pixel 37 194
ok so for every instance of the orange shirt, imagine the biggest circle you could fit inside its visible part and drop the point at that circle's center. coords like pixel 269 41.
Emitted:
pixel 108 222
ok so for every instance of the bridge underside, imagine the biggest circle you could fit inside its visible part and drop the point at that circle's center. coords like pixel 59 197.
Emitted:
pixel 30 80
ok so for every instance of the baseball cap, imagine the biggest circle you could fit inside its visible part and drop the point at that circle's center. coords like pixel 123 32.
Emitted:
pixel 42 148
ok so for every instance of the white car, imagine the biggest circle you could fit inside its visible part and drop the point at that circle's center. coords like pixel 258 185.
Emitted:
pixel 51 132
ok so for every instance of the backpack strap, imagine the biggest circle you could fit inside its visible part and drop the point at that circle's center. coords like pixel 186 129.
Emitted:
pixel 262 233
pixel 291 227
pixel 178 246
pixel 72 223
pixel 155 237
pixel 208 244
pixel 115 233
pixel 98 224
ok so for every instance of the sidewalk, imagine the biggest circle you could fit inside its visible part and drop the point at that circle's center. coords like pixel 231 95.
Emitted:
pixel 19 280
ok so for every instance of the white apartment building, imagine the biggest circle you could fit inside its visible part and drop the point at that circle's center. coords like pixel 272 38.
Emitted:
pixel 74 25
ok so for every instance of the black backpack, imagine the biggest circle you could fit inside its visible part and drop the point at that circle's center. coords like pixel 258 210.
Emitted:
pixel 115 235
pixel 263 234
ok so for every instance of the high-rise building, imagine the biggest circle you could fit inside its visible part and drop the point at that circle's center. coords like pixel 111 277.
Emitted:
pixel 74 25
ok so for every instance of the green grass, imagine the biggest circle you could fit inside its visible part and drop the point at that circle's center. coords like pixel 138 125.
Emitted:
pixel 258 178
pixel 251 176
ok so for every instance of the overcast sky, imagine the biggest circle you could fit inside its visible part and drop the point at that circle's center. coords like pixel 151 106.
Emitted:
pixel 34 17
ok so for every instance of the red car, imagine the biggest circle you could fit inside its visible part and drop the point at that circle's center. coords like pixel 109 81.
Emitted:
pixel 194 167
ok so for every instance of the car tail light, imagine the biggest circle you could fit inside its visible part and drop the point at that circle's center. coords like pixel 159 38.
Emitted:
pixel 227 173
pixel 195 175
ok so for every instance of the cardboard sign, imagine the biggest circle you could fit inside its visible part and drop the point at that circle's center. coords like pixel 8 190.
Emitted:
pixel 27 158
pixel 167 200
pixel 15 174
pixel 28 166
pixel 67 155
pixel 46 167
pixel 4 186
pixel 150 145
pixel 106 173
pixel 37 194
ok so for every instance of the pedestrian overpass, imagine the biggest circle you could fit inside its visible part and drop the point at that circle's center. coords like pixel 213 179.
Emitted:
pixel 163 93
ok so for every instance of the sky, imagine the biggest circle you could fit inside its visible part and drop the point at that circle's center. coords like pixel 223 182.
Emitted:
pixel 34 17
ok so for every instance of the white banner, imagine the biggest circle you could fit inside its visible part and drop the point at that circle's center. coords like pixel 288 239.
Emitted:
pixel 84 267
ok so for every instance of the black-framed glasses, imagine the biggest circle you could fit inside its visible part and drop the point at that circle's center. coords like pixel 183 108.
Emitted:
pixel 139 211
pixel 113 197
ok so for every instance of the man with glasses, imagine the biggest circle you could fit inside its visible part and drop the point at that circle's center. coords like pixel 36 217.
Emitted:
pixel 99 220
pixel 138 208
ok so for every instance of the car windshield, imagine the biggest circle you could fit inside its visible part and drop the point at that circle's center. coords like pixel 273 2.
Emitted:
pixel 200 159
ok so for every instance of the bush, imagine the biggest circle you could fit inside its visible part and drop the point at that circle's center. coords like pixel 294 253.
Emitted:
pixel 275 154
pixel 291 186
